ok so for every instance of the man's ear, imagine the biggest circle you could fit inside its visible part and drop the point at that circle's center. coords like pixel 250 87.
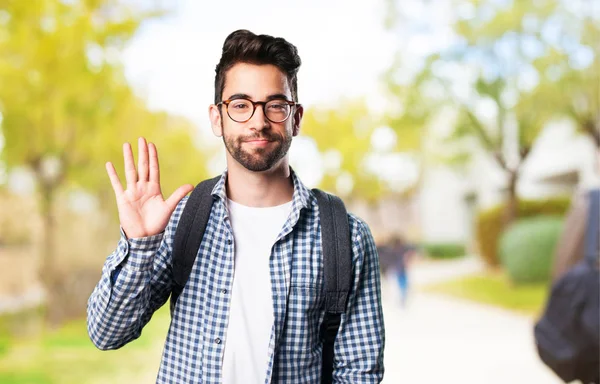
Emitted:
pixel 215 120
pixel 297 119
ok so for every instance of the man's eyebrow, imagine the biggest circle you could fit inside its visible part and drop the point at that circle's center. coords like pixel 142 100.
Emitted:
pixel 239 96
pixel 277 96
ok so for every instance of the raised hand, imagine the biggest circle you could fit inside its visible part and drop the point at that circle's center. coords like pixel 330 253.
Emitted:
pixel 142 209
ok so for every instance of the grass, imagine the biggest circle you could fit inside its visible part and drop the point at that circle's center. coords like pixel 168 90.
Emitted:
pixel 494 288
pixel 67 356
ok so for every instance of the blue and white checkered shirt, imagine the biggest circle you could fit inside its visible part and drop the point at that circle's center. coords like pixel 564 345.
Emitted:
pixel 136 281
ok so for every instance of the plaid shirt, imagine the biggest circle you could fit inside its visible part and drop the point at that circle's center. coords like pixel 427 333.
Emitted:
pixel 136 281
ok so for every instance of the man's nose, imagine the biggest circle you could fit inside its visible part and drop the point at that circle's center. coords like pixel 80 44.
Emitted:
pixel 259 120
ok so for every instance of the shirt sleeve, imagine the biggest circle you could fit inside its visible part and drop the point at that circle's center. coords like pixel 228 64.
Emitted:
pixel 358 354
pixel 135 282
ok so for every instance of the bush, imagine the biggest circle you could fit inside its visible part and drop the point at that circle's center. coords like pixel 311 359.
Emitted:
pixel 489 224
pixel 527 248
pixel 444 250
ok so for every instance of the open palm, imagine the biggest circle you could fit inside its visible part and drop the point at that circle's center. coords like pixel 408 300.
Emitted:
pixel 142 209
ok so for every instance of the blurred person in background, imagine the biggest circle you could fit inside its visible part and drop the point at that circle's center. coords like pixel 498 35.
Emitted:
pixel 568 333
pixel 401 255
pixel 251 309
pixel 570 246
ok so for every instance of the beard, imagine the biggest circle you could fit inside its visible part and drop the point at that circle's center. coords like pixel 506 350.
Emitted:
pixel 258 159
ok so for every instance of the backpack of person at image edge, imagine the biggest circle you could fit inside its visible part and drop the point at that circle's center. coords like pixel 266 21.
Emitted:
pixel 567 335
pixel 337 257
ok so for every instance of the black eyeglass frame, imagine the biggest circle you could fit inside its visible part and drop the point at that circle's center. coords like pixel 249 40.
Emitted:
pixel 254 104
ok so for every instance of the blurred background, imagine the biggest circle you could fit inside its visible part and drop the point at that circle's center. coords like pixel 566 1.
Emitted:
pixel 460 130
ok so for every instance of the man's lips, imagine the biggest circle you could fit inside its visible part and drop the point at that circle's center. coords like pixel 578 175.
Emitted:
pixel 259 142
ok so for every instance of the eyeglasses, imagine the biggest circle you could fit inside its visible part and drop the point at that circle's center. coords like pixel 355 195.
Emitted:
pixel 242 110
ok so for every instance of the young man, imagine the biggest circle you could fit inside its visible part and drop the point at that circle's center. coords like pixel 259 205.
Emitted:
pixel 252 307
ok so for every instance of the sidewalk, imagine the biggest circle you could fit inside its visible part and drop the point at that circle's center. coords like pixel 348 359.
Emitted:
pixel 443 340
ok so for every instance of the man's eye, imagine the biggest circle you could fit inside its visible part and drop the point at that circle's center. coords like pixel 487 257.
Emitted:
pixel 277 107
pixel 239 106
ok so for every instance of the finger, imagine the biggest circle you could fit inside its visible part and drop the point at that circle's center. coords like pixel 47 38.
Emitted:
pixel 130 172
pixel 179 194
pixel 154 170
pixel 114 179
pixel 142 159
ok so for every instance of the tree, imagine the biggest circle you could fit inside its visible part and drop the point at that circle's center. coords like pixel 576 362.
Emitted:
pixel 570 69
pixel 500 69
pixel 343 136
pixel 66 105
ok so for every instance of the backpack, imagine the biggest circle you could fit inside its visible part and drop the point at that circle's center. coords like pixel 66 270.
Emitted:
pixel 567 335
pixel 337 257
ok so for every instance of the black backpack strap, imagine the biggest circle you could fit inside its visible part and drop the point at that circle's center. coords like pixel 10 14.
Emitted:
pixel 189 234
pixel 337 271
pixel 592 233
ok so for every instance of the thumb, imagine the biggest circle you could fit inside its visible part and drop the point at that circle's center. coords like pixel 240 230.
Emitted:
pixel 179 194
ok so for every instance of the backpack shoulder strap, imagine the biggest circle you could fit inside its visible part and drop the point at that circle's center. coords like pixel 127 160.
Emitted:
pixel 337 271
pixel 592 234
pixel 189 234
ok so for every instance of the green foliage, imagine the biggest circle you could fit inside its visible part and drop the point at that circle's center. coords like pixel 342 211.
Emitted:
pixel 64 100
pixel 444 250
pixel 412 107
pixel 510 66
pixel 64 95
pixel 53 94
pixel 495 288
pixel 489 224
pixel 527 248
pixel 345 130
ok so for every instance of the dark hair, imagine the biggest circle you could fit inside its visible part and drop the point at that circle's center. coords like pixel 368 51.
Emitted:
pixel 243 46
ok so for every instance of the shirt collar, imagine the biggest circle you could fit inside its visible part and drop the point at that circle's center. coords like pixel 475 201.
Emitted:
pixel 300 199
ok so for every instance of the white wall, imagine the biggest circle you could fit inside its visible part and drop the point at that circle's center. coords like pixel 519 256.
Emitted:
pixel 442 208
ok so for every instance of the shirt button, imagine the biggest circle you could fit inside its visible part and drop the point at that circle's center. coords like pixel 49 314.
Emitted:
pixel 229 241
pixel 218 341
pixel 223 291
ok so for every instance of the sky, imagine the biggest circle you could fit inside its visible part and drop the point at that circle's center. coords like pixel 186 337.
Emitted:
pixel 343 46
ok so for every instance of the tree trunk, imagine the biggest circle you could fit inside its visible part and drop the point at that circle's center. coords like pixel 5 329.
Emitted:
pixel 512 204
pixel 48 180
pixel 594 131
pixel 48 269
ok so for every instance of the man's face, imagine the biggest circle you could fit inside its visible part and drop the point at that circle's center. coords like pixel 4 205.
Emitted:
pixel 257 144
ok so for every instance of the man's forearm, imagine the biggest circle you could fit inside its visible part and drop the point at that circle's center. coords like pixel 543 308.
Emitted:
pixel 123 302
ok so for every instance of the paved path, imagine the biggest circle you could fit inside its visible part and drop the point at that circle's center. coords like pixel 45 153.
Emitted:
pixel 442 340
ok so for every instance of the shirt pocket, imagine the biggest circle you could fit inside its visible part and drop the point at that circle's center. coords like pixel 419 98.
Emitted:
pixel 303 318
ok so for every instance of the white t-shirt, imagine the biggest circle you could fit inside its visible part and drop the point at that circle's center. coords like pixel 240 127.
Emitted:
pixel 251 309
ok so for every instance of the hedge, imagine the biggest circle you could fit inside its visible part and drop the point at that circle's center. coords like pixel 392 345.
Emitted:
pixel 444 250
pixel 527 248
pixel 489 223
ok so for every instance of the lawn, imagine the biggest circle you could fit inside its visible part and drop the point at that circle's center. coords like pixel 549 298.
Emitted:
pixel 494 288
pixel 67 356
